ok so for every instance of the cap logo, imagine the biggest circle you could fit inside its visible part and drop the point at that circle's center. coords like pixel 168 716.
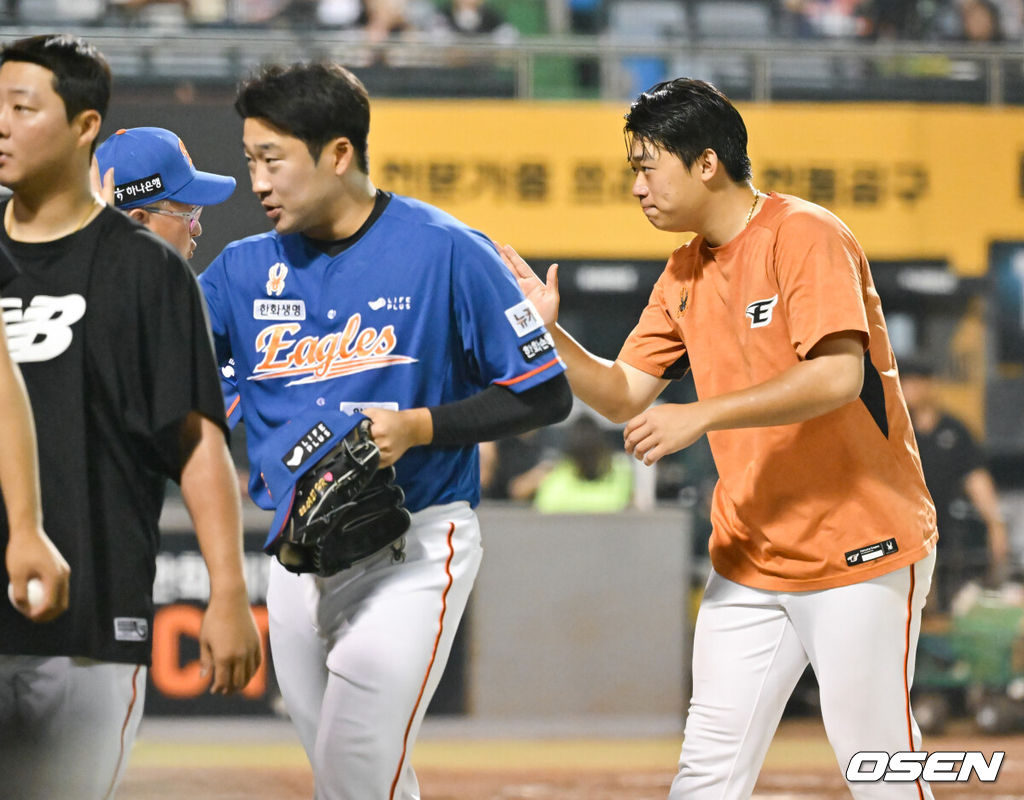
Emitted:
pixel 138 189
pixel 184 152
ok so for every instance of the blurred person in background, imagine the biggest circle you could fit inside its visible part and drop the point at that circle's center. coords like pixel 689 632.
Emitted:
pixel 376 20
pixel 474 18
pixel 1011 18
pixel 149 12
pixel 974 539
pixel 827 19
pixel 333 14
pixel 899 20
pixel 980 21
pixel 590 478
pixel 512 468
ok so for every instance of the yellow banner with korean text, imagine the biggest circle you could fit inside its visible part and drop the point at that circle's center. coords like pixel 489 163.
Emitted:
pixel 911 181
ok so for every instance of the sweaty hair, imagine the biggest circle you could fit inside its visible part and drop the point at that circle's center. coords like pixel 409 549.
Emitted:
pixel 686 117
pixel 315 103
pixel 81 75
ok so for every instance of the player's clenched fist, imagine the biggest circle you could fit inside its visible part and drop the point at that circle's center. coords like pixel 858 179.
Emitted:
pixel 394 432
pixel 32 556
pixel 664 429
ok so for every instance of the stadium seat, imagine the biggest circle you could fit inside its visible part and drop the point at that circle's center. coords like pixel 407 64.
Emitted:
pixel 732 19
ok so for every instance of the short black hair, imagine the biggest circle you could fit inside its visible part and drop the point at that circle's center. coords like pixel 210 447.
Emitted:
pixel 81 75
pixel 587 448
pixel 686 116
pixel 314 102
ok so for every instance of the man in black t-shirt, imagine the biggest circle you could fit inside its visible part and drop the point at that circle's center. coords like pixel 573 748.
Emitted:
pixel 30 553
pixel 970 522
pixel 108 326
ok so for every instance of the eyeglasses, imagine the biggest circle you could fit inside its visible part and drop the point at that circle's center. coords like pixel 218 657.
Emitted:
pixel 192 216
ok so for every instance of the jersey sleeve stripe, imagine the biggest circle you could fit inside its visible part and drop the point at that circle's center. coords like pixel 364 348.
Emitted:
pixel 529 374
pixel 233 406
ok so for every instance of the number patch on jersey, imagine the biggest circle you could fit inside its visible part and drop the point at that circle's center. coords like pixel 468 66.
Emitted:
pixel 871 552
pixel 523 318
pixel 279 309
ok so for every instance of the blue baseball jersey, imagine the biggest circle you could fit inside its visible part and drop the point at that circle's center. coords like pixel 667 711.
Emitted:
pixel 418 312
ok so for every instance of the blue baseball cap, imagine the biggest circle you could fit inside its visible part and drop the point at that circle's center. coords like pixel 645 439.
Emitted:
pixel 152 164
pixel 289 453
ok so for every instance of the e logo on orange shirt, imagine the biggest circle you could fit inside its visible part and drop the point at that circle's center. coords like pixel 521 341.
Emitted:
pixel 760 311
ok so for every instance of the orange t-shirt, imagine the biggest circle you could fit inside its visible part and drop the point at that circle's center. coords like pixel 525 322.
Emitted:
pixel 827 502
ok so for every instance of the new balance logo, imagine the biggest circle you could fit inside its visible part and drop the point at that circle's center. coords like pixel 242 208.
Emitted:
pixel 760 311
pixel 42 331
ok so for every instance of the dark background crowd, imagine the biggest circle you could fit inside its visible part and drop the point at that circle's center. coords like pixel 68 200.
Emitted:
pixel 905 20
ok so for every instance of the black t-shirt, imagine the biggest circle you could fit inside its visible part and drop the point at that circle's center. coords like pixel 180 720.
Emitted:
pixel 7 269
pixel 110 331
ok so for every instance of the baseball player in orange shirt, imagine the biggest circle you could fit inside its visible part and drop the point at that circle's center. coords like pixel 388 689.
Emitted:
pixel 823 531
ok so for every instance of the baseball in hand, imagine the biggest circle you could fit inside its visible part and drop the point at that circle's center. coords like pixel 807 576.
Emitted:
pixel 36 594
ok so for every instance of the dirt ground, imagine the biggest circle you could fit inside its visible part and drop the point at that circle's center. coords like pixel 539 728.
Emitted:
pixel 798 766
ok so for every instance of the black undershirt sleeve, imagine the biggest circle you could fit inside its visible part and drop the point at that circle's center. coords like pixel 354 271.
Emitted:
pixel 497 412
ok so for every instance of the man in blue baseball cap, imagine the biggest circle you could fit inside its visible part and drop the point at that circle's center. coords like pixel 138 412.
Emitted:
pixel 156 183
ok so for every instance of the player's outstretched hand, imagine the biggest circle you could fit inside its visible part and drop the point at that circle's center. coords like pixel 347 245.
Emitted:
pixel 229 644
pixel 662 430
pixel 543 295
pixel 32 555
pixel 394 432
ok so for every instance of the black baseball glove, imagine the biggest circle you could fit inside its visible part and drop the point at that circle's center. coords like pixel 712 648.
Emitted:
pixel 345 509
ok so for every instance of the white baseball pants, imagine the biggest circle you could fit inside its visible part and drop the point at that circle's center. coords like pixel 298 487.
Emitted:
pixel 359 655
pixel 67 726
pixel 751 647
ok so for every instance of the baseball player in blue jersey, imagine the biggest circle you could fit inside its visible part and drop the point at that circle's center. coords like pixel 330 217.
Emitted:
pixel 360 300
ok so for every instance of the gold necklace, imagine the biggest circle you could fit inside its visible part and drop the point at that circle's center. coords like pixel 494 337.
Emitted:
pixel 750 214
pixel 95 202
pixel 9 218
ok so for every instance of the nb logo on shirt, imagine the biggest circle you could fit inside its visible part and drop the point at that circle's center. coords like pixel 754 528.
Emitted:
pixel 760 311
pixel 42 331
